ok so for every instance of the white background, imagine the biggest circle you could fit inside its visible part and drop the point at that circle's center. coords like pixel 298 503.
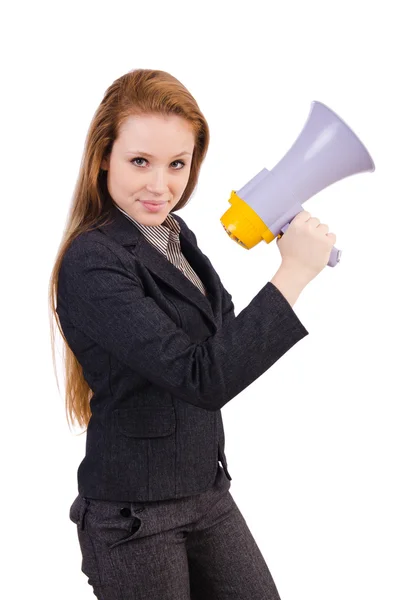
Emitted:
pixel 311 444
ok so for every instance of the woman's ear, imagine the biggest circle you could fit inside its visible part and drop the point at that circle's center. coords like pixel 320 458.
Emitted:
pixel 105 164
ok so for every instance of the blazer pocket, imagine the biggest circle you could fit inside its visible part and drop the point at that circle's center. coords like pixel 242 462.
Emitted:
pixel 146 421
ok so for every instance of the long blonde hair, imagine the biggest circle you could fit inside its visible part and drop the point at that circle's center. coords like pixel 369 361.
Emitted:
pixel 138 92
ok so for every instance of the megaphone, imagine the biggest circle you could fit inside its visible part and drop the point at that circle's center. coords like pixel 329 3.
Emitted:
pixel 326 151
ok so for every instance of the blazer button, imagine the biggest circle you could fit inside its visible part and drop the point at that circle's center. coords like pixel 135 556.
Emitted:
pixel 126 512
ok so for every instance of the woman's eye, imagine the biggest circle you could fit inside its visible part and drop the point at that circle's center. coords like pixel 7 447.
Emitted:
pixel 179 161
pixel 134 159
pixel 144 159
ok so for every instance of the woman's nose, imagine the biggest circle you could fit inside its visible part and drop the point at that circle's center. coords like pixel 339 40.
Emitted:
pixel 157 182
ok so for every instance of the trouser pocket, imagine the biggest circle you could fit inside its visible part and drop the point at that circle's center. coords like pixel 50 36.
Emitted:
pixel 111 523
pixel 78 511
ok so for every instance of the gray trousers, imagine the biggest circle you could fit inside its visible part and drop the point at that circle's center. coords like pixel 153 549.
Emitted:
pixel 193 548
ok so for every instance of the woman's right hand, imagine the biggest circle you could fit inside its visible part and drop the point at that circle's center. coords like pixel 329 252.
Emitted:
pixel 306 245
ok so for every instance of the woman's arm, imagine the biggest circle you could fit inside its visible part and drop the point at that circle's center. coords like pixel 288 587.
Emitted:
pixel 290 283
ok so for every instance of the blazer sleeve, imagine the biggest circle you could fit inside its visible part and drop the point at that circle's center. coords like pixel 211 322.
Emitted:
pixel 107 302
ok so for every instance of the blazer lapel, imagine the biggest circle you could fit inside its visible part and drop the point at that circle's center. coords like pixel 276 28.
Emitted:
pixel 124 232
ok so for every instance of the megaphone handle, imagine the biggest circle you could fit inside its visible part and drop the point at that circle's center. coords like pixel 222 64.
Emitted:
pixel 334 257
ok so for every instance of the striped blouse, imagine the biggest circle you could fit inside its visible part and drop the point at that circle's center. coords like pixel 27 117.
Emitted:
pixel 165 238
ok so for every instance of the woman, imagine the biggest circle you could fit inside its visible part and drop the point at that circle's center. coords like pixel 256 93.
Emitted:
pixel 153 351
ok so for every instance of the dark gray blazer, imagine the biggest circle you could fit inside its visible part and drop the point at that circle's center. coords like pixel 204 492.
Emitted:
pixel 161 358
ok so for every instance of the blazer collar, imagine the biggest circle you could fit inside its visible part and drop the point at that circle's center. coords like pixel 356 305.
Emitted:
pixel 124 232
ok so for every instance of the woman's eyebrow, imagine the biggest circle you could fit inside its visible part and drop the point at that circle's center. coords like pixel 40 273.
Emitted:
pixel 151 155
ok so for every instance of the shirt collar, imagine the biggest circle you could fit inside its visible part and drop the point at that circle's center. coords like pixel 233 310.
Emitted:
pixel 159 235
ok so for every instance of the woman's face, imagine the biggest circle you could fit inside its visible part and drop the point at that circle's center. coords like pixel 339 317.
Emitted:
pixel 134 176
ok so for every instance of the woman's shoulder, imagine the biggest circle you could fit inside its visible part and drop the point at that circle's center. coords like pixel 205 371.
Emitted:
pixel 85 239
pixel 93 247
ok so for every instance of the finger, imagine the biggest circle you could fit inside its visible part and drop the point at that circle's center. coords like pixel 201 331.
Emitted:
pixel 314 222
pixel 304 215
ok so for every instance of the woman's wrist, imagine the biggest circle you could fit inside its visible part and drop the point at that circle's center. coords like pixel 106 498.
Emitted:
pixel 290 281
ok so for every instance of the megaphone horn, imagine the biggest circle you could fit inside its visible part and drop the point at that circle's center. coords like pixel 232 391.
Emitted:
pixel 326 151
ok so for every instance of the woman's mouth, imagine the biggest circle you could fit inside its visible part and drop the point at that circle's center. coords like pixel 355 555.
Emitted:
pixel 153 206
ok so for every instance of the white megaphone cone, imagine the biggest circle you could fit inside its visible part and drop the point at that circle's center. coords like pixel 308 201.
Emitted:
pixel 326 151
